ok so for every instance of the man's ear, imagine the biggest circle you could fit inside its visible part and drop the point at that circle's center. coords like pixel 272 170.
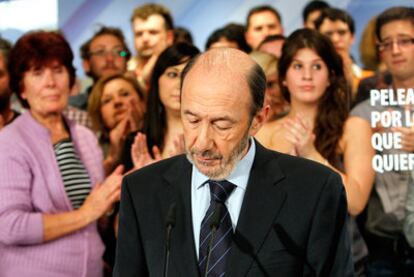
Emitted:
pixel 259 119
pixel 170 37
pixel 247 37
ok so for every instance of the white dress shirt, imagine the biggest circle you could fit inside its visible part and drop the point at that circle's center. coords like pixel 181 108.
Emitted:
pixel 200 192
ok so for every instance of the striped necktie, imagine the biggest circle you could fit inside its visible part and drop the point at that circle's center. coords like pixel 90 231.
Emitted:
pixel 221 244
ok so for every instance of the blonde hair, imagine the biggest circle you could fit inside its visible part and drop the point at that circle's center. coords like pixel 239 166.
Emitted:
pixel 94 101
pixel 266 61
pixel 149 9
pixel 368 46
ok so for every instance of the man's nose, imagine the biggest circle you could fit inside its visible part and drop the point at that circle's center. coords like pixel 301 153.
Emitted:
pixel 335 37
pixel 204 139
pixel 145 36
pixel 396 49
pixel 110 56
pixel 266 31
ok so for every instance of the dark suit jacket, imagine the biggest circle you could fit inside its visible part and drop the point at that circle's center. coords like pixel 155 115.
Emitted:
pixel 292 221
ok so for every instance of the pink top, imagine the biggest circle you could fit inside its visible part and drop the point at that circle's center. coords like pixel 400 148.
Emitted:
pixel 31 185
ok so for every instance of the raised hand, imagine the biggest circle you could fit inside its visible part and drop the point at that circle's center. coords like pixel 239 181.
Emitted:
pixel 116 138
pixel 103 196
pixel 145 75
pixel 300 134
pixel 179 146
pixel 140 154
pixel 135 115
pixel 407 137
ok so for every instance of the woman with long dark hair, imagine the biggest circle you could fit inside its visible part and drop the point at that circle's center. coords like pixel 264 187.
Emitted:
pixel 318 125
pixel 162 132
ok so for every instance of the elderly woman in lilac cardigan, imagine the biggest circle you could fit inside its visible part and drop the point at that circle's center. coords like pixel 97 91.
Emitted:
pixel 51 174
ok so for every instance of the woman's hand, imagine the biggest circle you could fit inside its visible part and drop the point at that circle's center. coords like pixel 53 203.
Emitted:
pixel 179 146
pixel 407 137
pixel 117 138
pixel 135 115
pixel 139 152
pixel 98 202
pixel 299 133
pixel 103 196
pixel 145 75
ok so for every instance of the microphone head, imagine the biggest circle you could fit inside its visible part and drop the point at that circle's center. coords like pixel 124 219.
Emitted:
pixel 171 215
pixel 215 218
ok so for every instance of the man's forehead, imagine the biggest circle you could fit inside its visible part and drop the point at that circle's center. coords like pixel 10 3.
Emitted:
pixel 329 23
pixel 259 17
pixel 99 40
pixel 220 72
pixel 405 27
pixel 152 21
pixel 224 59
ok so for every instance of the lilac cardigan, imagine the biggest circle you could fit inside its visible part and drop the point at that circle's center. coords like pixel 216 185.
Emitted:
pixel 31 185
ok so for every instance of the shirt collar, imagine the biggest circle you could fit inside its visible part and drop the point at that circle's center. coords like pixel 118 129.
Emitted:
pixel 240 174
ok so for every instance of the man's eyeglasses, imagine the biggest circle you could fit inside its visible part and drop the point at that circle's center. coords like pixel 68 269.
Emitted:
pixel 114 53
pixel 401 42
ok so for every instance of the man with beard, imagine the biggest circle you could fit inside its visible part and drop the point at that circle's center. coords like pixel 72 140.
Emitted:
pixel 262 21
pixel 105 53
pixel 152 25
pixel 7 115
pixel 235 208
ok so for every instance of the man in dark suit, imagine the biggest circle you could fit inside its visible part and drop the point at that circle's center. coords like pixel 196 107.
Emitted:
pixel 235 208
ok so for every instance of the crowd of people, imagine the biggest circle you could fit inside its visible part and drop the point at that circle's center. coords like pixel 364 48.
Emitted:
pixel 64 153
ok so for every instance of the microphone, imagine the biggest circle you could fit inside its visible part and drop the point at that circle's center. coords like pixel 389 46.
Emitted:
pixel 169 225
pixel 214 224
pixel 246 247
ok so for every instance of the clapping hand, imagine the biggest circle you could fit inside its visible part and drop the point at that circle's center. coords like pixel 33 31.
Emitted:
pixel 300 134
pixel 179 147
pixel 135 115
pixel 103 196
pixel 140 154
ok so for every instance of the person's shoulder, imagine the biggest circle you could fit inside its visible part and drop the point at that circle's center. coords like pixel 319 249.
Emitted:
pixel 302 174
pixel 307 177
pixel 18 139
pixel 277 123
pixel 83 137
pixel 363 110
pixel 302 166
pixel 13 130
pixel 292 164
pixel 265 134
pixel 276 133
pixel 154 173
pixel 85 131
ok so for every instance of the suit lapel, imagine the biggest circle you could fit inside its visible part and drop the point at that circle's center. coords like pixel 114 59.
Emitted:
pixel 183 255
pixel 261 204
